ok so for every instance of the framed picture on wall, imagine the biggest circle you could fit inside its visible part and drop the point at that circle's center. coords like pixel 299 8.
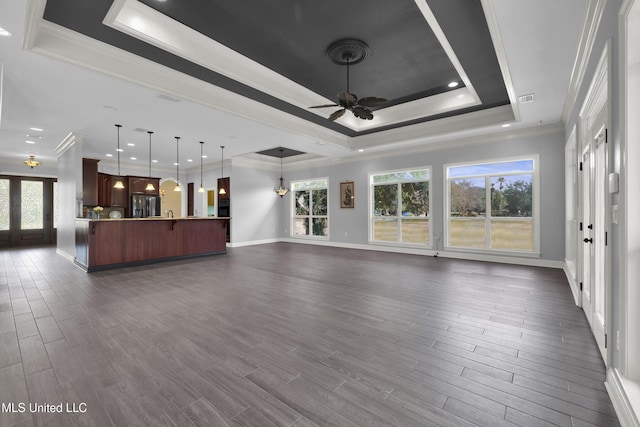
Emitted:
pixel 347 194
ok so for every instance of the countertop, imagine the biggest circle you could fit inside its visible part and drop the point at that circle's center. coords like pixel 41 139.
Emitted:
pixel 156 218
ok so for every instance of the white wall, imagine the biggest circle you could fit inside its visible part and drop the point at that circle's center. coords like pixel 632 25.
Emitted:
pixel 350 226
pixel 69 191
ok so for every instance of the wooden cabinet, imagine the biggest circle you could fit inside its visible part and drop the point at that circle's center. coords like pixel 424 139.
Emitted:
pixel 119 197
pixel 102 244
pixel 226 184
pixel 104 190
pixel 90 182
pixel 138 185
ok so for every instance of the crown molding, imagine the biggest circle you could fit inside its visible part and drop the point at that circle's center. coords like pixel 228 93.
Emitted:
pixel 593 17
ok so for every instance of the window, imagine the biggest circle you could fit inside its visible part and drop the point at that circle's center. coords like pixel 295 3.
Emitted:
pixel 310 208
pixel 400 207
pixel 491 205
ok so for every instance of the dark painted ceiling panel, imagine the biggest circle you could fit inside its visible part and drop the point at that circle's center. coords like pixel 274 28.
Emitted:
pixel 291 37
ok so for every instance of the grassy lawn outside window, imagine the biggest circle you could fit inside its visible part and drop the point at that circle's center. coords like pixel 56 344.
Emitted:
pixel 492 205
pixel 400 203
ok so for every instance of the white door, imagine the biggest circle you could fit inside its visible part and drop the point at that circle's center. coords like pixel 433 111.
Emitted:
pixel 600 239
pixel 594 259
pixel 586 225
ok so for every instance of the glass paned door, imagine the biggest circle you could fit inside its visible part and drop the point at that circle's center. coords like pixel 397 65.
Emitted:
pixel 4 204
pixel 27 211
pixel 32 205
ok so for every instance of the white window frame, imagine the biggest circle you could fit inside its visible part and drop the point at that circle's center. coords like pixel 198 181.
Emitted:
pixel 310 216
pixel 429 217
pixel 535 252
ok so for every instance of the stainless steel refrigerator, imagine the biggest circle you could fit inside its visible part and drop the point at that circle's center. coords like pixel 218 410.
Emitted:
pixel 145 206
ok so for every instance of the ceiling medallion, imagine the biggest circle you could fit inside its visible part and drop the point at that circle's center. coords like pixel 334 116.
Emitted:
pixel 348 51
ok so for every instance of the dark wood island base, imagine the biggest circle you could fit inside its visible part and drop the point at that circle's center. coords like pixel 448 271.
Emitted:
pixel 113 243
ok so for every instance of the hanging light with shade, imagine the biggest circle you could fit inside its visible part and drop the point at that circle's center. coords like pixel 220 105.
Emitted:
pixel 222 190
pixel 281 190
pixel 201 189
pixel 119 185
pixel 150 186
pixel 177 188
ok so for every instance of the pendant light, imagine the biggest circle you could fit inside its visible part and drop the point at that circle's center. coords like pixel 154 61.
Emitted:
pixel 222 190
pixel 150 186
pixel 119 185
pixel 281 190
pixel 201 189
pixel 177 167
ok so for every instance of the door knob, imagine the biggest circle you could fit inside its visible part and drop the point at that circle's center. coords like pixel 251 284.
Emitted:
pixel 588 240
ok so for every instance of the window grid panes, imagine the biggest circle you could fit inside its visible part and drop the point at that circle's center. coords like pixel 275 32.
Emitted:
pixel 4 204
pixel 400 207
pixel 491 206
pixel 32 205
pixel 311 211
pixel 55 204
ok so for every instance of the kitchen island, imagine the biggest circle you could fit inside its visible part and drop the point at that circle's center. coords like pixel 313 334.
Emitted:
pixel 112 243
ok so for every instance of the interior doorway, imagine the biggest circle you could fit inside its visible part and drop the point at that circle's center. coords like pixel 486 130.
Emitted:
pixel 171 200
pixel 27 211
pixel 594 207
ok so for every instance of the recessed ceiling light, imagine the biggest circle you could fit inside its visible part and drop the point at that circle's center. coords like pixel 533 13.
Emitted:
pixel 176 164
pixel 453 84
pixel 109 155
pixel 360 150
pixel 131 144
pixel 189 160
pixel 37 129
pixel 506 125
pixel 204 156
pixel 30 142
pixel 133 158
pixel 154 161
pixel 4 33
pixel 119 149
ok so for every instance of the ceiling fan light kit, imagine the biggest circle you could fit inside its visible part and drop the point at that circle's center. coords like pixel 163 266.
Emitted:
pixel 348 52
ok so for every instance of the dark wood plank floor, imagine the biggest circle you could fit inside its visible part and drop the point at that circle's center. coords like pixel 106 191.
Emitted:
pixel 296 335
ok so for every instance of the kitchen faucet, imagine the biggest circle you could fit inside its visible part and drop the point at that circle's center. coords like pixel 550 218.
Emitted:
pixel 170 213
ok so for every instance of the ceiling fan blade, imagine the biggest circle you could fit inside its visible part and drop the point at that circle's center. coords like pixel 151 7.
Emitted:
pixel 337 114
pixel 362 112
pixel 325 106
pixel 372 101
pixel 347 99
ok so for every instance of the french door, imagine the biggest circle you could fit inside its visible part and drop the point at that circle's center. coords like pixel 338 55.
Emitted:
pixel 595 261
pixel 27 211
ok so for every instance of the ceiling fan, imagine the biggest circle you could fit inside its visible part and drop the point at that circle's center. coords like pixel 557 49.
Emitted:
pixel 346 52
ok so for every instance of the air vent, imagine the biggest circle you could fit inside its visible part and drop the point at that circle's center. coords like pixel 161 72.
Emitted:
pixel 168 98
pixel 524 99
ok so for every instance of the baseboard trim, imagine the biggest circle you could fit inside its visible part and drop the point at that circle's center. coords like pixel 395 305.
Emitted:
pixel 533 262
pixel 573 283
pixel 618 389
pixel 252 243
pixel 65 255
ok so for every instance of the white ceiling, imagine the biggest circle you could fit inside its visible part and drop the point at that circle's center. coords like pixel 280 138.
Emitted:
pixel 537 41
